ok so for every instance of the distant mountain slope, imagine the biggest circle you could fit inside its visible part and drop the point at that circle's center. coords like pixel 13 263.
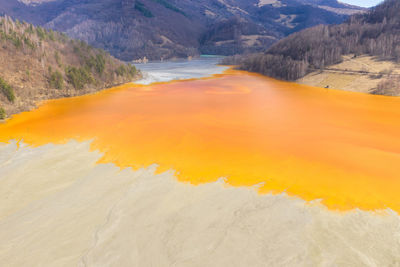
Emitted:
pixel 376 33
pixel 35 2
pixel 132 29
pixel 38 64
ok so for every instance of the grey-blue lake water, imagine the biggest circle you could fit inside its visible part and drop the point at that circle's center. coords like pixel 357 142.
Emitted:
pixel 179 69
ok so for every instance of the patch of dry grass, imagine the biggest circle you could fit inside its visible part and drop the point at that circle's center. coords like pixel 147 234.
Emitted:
pixel 360 74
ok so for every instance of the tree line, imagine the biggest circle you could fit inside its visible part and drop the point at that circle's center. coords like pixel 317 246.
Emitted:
pixel 44 60
pixel 376 33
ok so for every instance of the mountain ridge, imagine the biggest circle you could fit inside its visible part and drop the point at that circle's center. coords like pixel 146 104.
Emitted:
pixel 163 29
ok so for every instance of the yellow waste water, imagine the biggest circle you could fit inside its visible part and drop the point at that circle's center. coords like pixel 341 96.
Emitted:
pixel 341 147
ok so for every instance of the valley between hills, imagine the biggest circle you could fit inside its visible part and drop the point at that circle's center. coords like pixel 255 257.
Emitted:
pixel 359 51
pixel 45 62
pixel 221 139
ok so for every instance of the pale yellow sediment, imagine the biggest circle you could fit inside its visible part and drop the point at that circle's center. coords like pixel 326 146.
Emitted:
pixel 59 208
pixel 340 78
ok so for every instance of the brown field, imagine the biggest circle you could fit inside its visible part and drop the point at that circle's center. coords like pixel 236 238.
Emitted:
pixel 360 74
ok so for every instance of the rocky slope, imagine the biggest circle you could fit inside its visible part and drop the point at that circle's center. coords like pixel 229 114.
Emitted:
pixel 161 29
pixel 39 64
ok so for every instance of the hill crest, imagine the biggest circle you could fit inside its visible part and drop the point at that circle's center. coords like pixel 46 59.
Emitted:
pixel 163 29
pixel 43 64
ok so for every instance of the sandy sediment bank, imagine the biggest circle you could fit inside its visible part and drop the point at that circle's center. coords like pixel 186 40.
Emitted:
pixel 356 74
pixel 60 208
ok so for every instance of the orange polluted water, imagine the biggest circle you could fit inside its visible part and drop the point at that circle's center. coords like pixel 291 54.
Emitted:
pixel 341 147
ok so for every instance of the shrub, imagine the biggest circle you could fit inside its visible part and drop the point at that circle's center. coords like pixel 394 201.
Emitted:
pixel 57 58
pixel 29 43
pixel 17 42
pixel 121 70
pixel 132 71
pixel 41 33
pixel 129 70
pixel 142 9
pixel 389 86
pixel 56 80
pixel 62 37
pixel 78 77
pixel 51 35
pixel 98 63
pixel 2 113
pixel 29 29
pixel 7 90
pixel 13 37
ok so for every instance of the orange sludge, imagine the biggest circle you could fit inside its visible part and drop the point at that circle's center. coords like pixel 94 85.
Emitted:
pixel 341 147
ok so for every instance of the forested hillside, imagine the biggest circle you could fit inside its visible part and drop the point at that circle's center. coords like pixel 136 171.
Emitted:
pixel 376 33
pixel 163 29
pixel 38 64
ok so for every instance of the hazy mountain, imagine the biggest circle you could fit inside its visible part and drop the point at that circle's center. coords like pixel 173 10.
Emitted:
pixel 132 29
pixel 35 2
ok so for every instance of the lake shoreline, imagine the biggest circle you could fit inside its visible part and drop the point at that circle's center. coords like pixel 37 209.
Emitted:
pixel 150 72
pixel 53 94
pixel 102 174
pixel 364 74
